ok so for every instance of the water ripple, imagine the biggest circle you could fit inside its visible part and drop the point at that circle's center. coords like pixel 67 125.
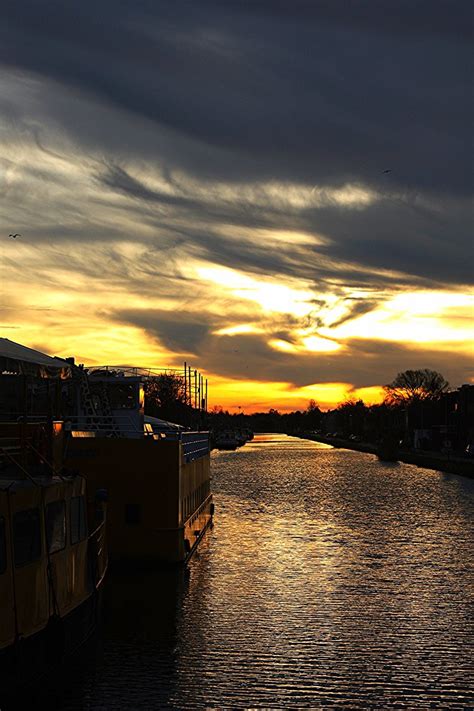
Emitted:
pixel 330 580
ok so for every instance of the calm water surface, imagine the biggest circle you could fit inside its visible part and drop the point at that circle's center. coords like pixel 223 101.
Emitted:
pixel 329 580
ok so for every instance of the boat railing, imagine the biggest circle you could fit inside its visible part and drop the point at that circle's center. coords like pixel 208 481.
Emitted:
pixel 103 425
pixel 195 445
pixel 23 442
pixel 130 371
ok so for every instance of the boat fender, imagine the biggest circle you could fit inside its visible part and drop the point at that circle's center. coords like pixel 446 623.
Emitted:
pixel 102 495
pixel 101 498
pixel 212 509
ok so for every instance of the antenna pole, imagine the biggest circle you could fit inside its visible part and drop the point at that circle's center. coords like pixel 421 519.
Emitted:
pixel 185 385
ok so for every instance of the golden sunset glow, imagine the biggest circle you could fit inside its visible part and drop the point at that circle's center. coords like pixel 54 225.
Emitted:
pixel 419 317
pixel 268 294
pixel 140 245
pixel 254 396
pixel 69 312
pixel 247 226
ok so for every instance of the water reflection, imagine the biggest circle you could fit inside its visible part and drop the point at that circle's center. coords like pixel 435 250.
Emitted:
pixel 330 580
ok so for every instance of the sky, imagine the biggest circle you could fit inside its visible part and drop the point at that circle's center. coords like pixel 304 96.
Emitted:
pixel 276 192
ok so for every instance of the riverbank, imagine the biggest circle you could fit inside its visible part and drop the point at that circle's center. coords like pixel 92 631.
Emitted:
pixel 429 460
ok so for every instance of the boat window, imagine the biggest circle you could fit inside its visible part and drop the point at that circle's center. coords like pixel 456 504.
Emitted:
pixel 78 519
pixel 133 514
pixel 3 550
pixel 56 526
pixel 122 396
pixel 26 537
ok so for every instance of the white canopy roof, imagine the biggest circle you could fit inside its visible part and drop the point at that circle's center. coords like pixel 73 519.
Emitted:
pixel 156 423
pixel 22 354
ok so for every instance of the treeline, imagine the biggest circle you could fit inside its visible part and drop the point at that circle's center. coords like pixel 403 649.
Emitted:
pixel 419 410
pixel 271 421
pixel 168 397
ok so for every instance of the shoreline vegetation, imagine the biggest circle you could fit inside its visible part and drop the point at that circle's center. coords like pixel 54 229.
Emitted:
pixel 439 461
pixel 421 421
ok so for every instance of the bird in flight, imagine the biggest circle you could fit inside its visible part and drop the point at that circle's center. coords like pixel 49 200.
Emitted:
pixel 17 234
pixel 387 171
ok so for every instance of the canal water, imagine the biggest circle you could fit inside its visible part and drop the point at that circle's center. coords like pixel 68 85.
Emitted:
pixel 329 580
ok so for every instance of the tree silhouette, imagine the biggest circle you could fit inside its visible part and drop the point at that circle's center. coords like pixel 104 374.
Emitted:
pixel 413 386
pixel 312 415
pixel 165 397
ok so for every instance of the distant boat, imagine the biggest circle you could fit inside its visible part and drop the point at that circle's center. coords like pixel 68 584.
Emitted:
pixel 387 450
pixel 228 440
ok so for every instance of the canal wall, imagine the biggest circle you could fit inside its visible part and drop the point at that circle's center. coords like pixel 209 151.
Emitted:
pixel 429 460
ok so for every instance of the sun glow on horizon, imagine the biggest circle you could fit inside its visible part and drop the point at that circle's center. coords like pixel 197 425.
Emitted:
pixel 256 396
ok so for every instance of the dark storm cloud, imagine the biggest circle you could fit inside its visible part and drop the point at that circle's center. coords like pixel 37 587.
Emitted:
pixel 321 92
pixel 362 363
pixel 399 234
pixel 387 16
pixel 433 243
pixel 118 179
pixel 186 334
pixel 357 307
pixel 313 93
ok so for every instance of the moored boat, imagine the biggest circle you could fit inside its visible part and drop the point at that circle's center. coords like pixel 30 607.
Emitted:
pixel 53 555
pixel 157 473
pixel 227 440
pixel 232 439
pixel 387 449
